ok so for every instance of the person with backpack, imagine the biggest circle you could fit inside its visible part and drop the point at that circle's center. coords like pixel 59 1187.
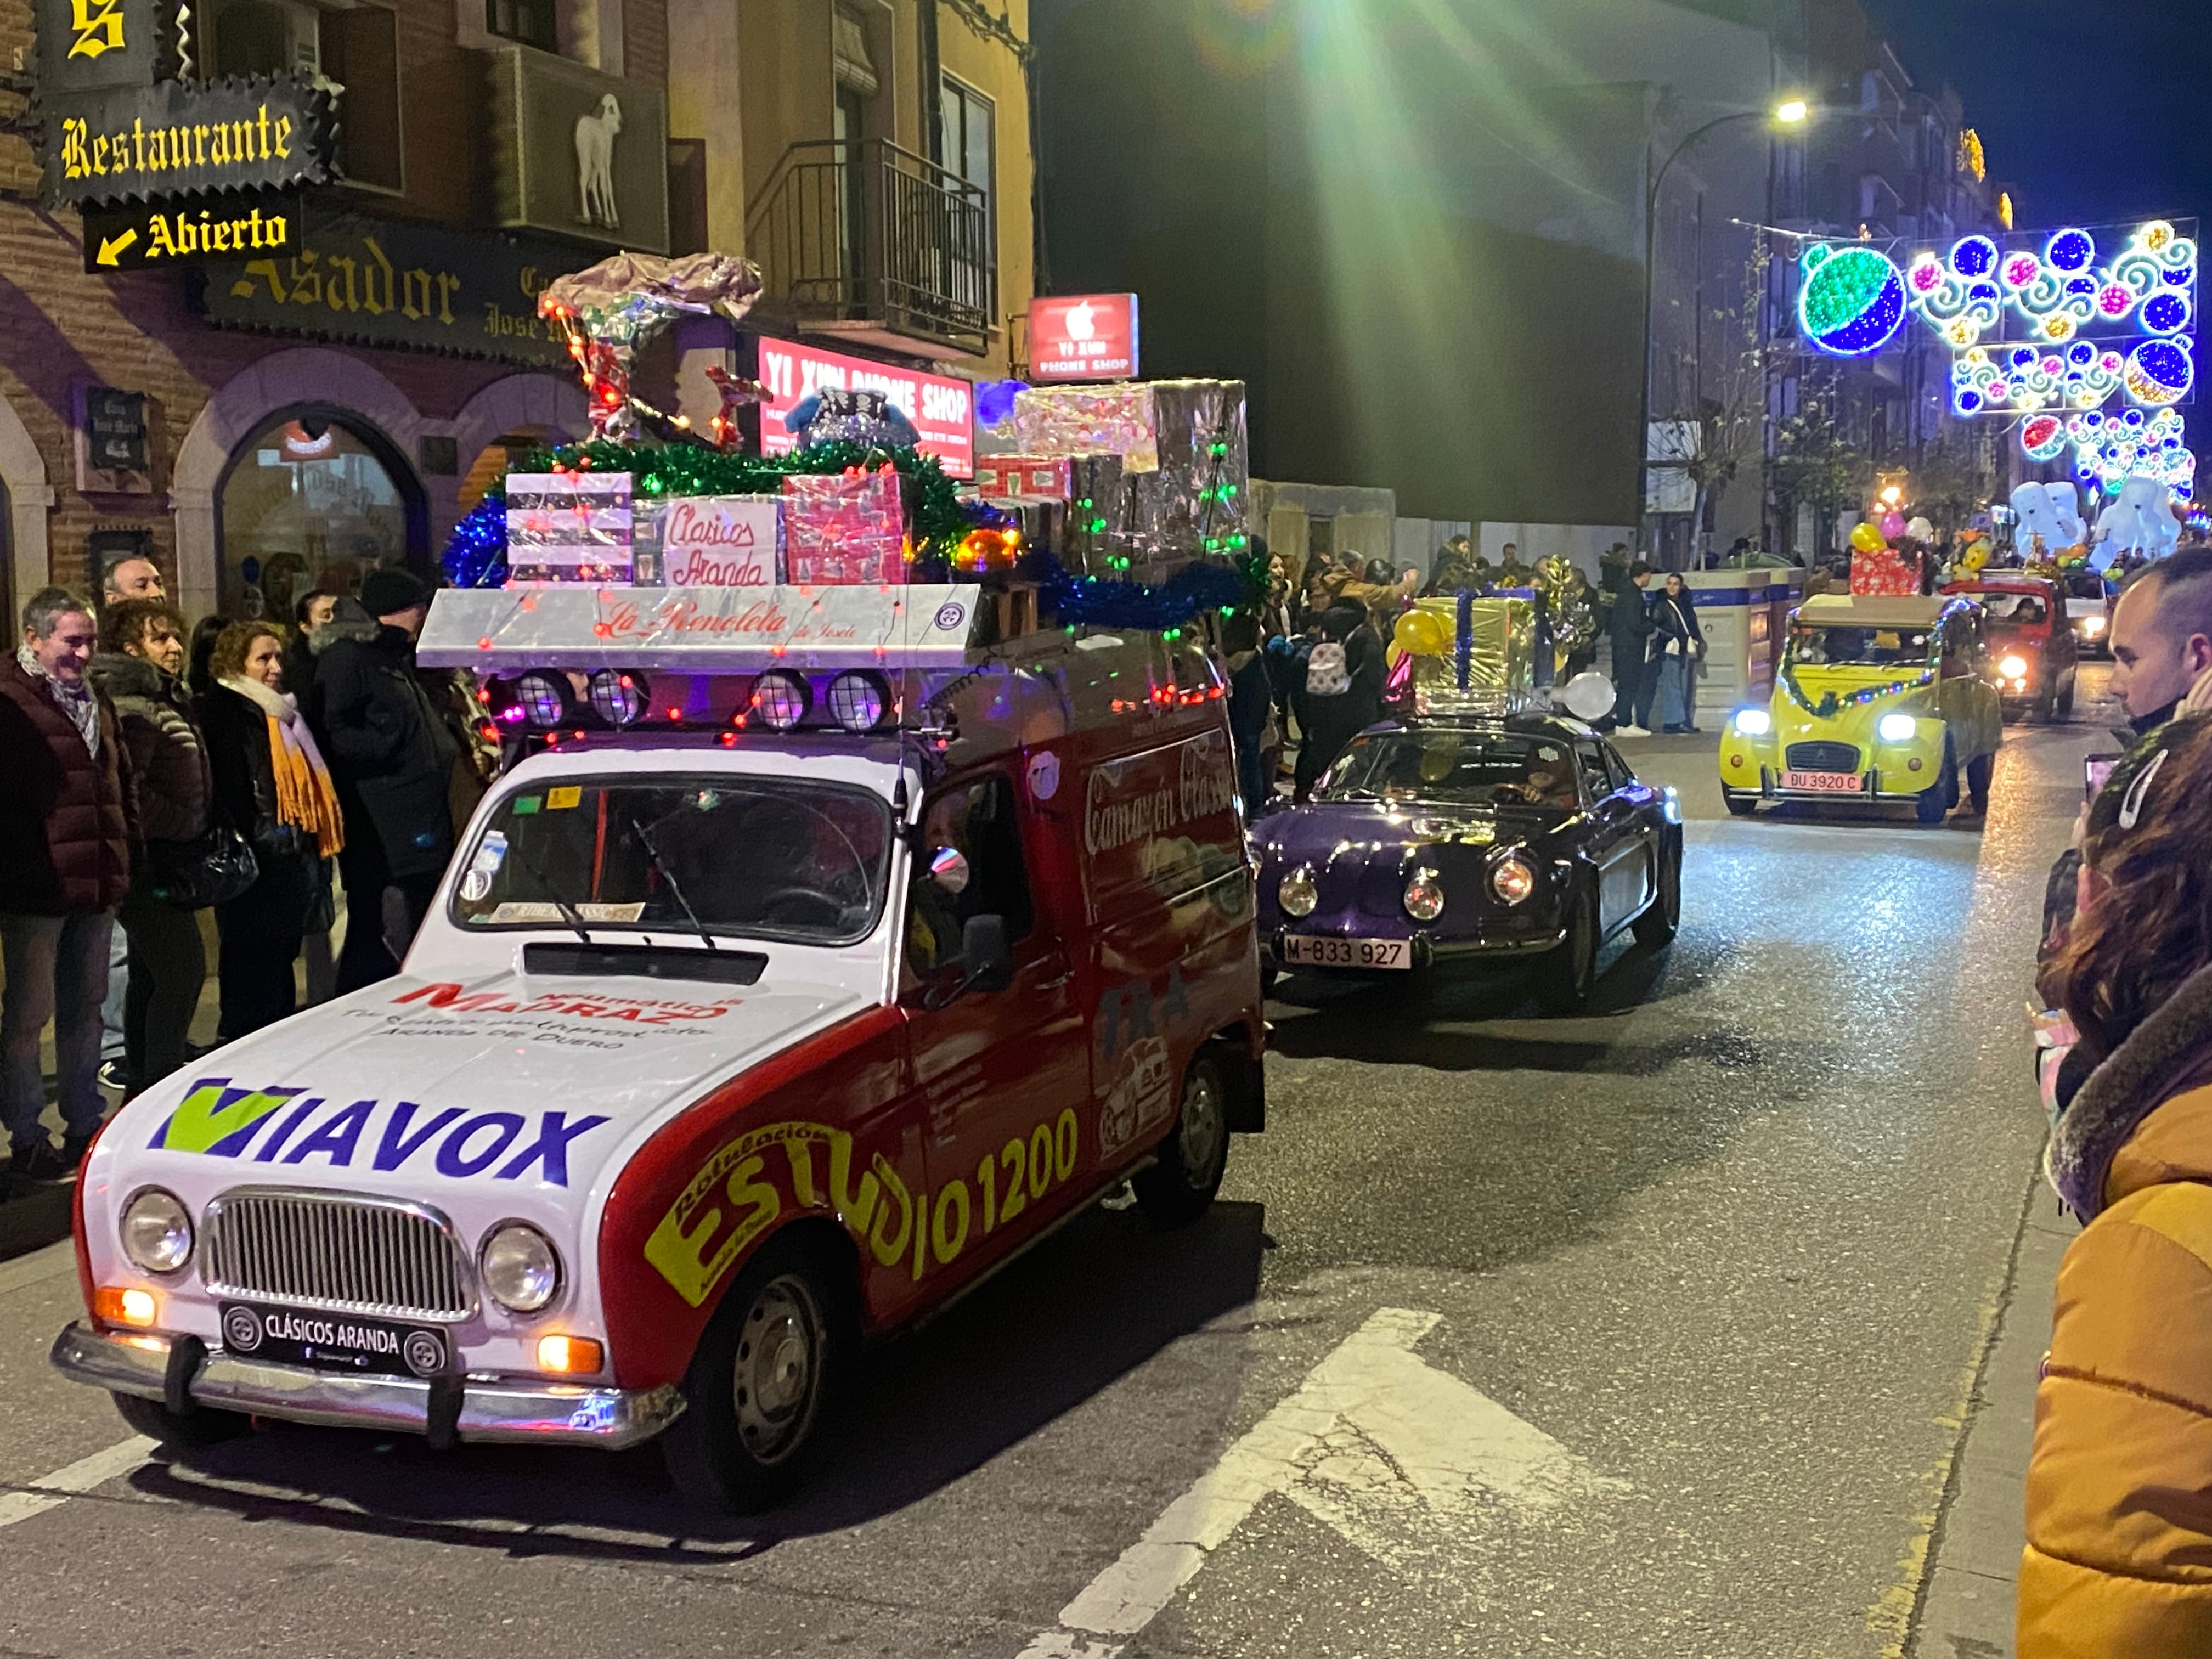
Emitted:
pixel 2116 1521
pixel 1344 690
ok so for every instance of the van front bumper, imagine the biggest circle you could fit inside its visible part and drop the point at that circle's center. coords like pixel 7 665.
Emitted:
pixel 487 1409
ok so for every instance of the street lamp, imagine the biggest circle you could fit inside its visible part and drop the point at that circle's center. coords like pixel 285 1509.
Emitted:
pixel 1789 112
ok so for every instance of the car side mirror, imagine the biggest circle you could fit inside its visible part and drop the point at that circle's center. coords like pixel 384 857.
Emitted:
pixel 986 958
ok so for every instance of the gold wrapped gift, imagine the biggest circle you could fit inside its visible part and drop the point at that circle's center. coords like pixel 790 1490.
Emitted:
pixel 1501 655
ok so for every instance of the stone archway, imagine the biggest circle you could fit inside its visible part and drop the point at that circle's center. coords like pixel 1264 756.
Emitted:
pixel 514 402
pixel 283 380
pixel 30 498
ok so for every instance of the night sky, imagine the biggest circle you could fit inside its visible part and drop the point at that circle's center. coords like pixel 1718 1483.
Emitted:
pixel 2093 111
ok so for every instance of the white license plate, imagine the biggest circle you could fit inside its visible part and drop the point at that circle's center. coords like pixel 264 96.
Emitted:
pixel 1828 783
pixel 1348 952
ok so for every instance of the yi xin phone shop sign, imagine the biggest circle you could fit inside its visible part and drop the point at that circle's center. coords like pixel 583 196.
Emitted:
pixel 939 406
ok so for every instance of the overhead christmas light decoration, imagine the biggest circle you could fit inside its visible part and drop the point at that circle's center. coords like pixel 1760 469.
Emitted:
pixel 1851 301
pixel 2042 437
pixel 1979 293
pixel 2110 449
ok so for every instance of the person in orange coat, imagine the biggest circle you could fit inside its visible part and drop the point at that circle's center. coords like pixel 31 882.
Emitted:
pixel 2118 1558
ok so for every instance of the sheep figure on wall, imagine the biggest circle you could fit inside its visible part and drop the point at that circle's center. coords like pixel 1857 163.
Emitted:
pixel 595 165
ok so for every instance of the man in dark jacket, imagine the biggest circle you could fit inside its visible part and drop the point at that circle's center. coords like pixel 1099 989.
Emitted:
pixel 391 757
pixel 311 617
pixel 67 820
pixel 1630 627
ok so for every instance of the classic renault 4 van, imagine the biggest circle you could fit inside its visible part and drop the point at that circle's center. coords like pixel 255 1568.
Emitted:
pixel 812 964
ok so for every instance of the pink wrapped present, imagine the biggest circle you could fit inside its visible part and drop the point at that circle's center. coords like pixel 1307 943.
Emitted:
pixel 1887 574
pixel 844 529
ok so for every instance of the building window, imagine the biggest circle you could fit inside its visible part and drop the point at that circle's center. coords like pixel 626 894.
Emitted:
pixel 360 52
pixel 530 21
pixel 310 503
pixel 964 132
pixel 965 119
pixel 263 37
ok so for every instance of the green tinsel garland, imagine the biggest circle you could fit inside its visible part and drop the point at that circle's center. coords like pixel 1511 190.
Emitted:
pixel 932 499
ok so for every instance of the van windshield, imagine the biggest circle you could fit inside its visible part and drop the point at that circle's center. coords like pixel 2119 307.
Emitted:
pixel 1444 767
pixel 1860 648
pixel 2021 610
pixel 752 857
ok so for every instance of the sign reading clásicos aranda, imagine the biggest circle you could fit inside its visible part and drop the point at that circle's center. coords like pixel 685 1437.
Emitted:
pixel 185 138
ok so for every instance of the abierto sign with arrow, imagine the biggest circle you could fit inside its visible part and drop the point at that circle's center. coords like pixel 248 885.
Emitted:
pixel 149 234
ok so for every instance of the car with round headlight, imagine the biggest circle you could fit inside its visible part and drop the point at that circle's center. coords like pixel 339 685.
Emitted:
pixel 1875 699
pixel 818 951
pixel 1449 838
pixel 2035 653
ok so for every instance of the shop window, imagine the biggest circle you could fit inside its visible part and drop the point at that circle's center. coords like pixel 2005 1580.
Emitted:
pixel 310 503
pixel 360 52
pixel 532 22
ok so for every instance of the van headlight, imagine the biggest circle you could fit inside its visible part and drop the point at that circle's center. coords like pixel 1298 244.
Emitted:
pixel 1753 722
pixel 1896 728
pixel 1297 895
pixel 521 1270
pixel 157 1231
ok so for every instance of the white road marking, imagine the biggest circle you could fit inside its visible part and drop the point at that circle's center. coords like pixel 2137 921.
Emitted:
pixel 51 1491
pixel 1375 1442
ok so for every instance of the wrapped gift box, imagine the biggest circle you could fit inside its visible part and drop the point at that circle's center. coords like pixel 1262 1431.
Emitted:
pixel 1886 574
pixel 843 529
pixel 1088 420
pixel 569 527
pixel 1000 475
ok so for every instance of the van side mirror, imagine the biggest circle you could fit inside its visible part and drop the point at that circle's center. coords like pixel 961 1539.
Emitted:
pixel 986 960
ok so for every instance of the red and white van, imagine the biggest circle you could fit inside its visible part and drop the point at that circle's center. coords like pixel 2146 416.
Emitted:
pixel 812 964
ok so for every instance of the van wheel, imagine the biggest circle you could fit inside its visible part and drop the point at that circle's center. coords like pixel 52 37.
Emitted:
pixel 2066 699
pixel 1657 926
pixel 1189 1163
pixel 1566 974
pixel 201 1425
pixel 762 1381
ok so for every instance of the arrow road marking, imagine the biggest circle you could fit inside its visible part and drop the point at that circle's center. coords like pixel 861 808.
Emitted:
pixel 52 1490
pixel 1375 1442
pixel 112 246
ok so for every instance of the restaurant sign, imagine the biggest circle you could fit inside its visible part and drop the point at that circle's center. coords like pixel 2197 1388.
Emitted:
pixel 376 282
pixel 85 45
pixel 185 138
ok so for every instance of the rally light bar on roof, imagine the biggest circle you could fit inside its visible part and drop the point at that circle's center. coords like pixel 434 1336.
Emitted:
pixel 699 630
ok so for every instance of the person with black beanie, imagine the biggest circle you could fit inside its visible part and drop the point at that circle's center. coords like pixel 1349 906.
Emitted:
pixel 391 757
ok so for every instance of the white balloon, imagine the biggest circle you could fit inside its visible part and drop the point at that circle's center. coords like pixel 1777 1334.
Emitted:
pixel 1589 695
pixel 1921 531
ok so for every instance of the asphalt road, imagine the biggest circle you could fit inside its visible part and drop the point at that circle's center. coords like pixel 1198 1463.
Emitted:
pixel 1648 1332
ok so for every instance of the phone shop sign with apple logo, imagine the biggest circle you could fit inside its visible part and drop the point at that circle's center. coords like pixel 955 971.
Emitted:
pixel 1085 336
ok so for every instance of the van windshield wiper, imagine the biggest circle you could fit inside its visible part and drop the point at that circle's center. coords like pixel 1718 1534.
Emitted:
pixel 675 887
pixel 569 914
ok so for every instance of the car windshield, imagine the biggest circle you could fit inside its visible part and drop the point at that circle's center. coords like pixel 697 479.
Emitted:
pixel 2021 610
pixel 2085 585
pixel 1443 767
pixel 748 856
pixel 1838 646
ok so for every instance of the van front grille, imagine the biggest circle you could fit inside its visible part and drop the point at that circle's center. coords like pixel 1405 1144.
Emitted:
pixel 338 1251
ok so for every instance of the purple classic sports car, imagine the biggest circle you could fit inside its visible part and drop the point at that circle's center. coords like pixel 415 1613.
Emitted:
pixel 1463 837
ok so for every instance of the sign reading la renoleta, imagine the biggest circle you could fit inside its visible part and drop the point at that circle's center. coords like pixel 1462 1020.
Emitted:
pixel 185 138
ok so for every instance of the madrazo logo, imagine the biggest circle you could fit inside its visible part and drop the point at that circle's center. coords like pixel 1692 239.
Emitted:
pixel 1078 323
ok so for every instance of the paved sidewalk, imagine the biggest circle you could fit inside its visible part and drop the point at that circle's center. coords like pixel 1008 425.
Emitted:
pixel 1966 1609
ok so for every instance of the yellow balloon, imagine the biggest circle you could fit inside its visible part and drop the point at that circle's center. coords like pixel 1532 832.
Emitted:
pixel 1421 634
pixel 1867 538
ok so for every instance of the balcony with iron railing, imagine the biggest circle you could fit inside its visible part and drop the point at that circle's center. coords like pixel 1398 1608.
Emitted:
pixel 877 245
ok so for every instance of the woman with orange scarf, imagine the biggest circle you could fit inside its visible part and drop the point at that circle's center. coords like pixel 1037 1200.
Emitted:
pixel 271 787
